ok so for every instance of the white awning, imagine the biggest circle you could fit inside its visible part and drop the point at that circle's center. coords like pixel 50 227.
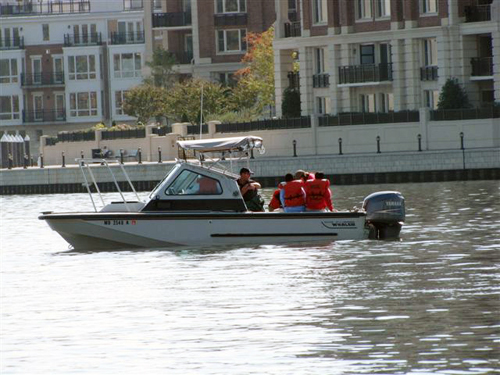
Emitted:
pixel 222 144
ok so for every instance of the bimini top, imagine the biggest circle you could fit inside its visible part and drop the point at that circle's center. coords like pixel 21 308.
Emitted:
pixel 223 144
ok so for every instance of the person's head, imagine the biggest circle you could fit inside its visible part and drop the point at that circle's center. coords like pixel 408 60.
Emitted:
pixel 288 177
pixel 299 174
pixel 245 174
pixel 320 175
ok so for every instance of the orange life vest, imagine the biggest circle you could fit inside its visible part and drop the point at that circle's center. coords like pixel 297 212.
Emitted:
pixel 317 196
pixel 294 194
pixel 275 200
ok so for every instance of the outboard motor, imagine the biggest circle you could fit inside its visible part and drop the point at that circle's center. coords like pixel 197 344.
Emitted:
pixel 385 214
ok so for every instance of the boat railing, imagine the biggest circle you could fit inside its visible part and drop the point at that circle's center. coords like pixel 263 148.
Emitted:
pixel 88 164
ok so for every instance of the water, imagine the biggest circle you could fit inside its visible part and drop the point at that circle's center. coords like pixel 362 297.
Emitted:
pixel 427 304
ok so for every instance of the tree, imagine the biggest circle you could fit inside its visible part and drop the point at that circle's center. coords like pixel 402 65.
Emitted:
pixel 453 96
pixel 257 78
pixel 290 106
pixel 184 100
pixel 162 74
pixel 145 101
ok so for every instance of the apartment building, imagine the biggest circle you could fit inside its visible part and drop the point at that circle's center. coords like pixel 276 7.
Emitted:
pixel 206 36
pixel 386 55
pixel 65 65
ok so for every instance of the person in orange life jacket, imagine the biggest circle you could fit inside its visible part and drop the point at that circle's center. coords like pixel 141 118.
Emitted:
pixel 318 194
pixel 248 188
pixel 275 202
pixel 293 196
pixel 303 175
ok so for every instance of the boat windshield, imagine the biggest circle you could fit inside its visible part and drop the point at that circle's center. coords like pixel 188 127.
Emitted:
pixel 191 183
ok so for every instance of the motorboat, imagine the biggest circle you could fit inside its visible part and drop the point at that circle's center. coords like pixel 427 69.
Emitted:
pixel 198 203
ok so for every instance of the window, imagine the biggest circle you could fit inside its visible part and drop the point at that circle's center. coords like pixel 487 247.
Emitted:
pixel 319 60
pixel 9 107
pixel 8 71
pixel 127 65
pixel 431 98
pixel 383 8
pixel 231 6
pixel 83 104
pixel 10 37
pixel 320 11
pixel 430 52
pixel 428 6
pixel 386 102
pixel 364 10
pixel 321 105
pixel 231 40
pixel 367 54
pixel 225 78
pixel 368 103
pixel 119 97
pixel 81 67
pixel 190 183
pixel 45 32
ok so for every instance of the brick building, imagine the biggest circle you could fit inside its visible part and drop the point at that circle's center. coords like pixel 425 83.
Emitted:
pixel 386 55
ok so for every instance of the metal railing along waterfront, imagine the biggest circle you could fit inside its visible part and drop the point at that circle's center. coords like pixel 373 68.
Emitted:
pixel 12 43
pixel 45 7
pixel 44 115
pixel 230 19
pixel 478 13
pixel 368 118
pixel 271 124
pixel 195 129
pixel 177 19
pixel 365 73
pixel 92 39
pixel 429 73
pixel 42 79
pixel 482 66
pixel 163 130
pixel 123 134
pixel 465 114
pixel 127 38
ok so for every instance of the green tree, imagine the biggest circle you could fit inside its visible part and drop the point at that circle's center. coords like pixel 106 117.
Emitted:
pixel 184 100
pixel 145 101
pixel 290 106
pixel 162 73
pixel 453 96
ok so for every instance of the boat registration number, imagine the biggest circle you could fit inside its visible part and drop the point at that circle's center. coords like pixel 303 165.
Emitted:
pixel 120 222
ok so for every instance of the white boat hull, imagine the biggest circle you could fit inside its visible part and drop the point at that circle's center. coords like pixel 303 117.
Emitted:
pixel 98 231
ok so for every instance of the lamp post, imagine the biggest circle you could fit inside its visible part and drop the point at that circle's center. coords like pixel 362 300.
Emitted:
pixel 139 155
pixel 462 147
pixel 294 148
pixel 419 137
pixel 378 144
pixel 63 160
pixel 159 154
pixel 340 146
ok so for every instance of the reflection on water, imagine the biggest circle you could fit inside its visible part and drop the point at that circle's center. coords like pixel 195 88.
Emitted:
pixel 428 303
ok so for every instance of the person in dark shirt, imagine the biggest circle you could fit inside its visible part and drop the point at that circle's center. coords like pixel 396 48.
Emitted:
pixel 249 190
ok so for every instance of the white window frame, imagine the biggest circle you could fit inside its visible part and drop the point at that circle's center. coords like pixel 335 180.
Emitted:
pixel 364 10
pixel 382 8
pixel 119 102
pixel 431 98
pixel 429 7
pixel 221 6
pixel 13 103
pixel 120 72
pixel 75 110
pixel 74 74
pixel 241 43
pixel 13 76
pixel 368 103
pixel 429 52
pixel 320 11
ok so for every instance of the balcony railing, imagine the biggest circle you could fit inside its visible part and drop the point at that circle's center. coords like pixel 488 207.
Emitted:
pixel 183 57
pixel 230 19
pixel 482 66
pixel 44 115
pixel 12 43
pixel 465 114
pixel 429 73
pixel 478 13
pixel 49 7
pixel 178 19
pixel 292 29
pixel 365 73
pixel 293 80
pixel 127 38
pixel 42 79
pixel 321 80
pixel 94 39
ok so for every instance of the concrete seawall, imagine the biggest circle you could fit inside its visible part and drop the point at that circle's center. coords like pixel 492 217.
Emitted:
pixel 396 167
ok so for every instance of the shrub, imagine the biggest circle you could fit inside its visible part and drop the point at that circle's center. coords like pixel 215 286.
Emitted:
pixel 453 96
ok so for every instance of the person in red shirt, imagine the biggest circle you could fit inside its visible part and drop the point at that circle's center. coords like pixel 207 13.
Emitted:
pixel 318 194
pixel 275 202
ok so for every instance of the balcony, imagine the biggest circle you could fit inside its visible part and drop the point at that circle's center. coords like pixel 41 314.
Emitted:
pixel 293 80
pixel 127 38
pixel 94 39
pixel 321 80
pixel 478 13
pixel 12 43
pixel 42 79
pixel 482 66
pixel 183 57
pixel 49 7
pixel 131 5
pixel 178 19
pixel 365 73
pixel 429 73
pixel 45 115
pixel 230 19
pixel 292 29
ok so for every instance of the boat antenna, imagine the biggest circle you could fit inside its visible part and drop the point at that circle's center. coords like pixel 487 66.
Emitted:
pixel 201 113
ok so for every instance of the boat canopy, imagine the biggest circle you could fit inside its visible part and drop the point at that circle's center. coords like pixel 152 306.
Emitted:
pixel 223 144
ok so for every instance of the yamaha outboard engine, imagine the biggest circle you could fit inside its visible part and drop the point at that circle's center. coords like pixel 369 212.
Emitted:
pixel 385 214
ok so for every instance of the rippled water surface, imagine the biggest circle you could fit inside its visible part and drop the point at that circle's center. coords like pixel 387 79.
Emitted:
pixel 429 303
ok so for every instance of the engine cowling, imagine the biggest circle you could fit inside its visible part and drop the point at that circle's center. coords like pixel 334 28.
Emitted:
pixel 385 211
